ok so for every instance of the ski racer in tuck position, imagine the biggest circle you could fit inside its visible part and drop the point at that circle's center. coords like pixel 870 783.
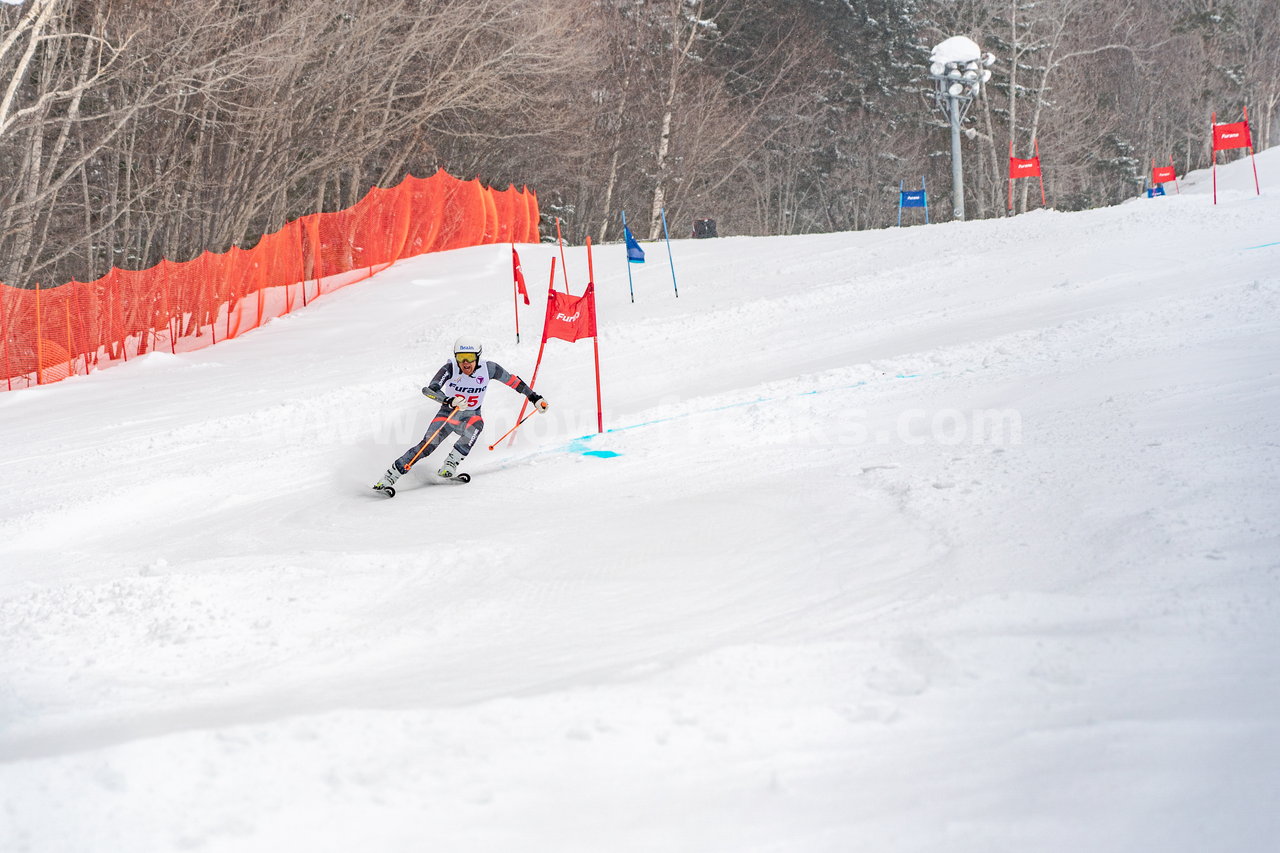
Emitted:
pixel 459 387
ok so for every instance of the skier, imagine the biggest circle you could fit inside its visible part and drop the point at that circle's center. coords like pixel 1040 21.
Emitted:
pixel 459 386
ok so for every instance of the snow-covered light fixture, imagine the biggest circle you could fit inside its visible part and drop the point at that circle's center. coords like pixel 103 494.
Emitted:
pixel 957 69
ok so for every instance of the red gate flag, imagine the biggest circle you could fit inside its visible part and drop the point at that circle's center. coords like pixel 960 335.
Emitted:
pixel 519 274
pixel 1228 136
pixel 1164 175
pixel 1234 135
pixel 570 318
pixel 1024 168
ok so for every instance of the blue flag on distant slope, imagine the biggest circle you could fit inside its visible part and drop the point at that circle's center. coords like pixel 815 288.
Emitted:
pixel 913 198
pixel 635 254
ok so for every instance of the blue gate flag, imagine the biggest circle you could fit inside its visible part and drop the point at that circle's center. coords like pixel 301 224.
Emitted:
pixel 635 254
pixel 913 198
pixel 1152 192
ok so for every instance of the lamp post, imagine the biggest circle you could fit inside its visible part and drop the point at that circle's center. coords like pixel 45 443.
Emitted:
pixel 958 68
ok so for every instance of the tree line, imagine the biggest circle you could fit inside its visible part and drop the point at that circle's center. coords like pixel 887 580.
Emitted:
pixel 135 130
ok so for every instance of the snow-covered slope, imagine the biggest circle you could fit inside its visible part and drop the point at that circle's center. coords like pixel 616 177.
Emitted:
pixel 959 538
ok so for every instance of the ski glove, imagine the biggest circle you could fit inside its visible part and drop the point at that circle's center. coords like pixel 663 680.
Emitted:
pixel 539 403
pixel 459 401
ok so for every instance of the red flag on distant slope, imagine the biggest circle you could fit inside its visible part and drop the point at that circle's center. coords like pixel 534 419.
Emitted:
pixel 1234 135
pixel 1024 168
pixel 519 274
pixel 1229 136
pixel 1164 174
pixel 1019 168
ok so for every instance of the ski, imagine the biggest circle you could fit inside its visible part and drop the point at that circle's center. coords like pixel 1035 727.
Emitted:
pixel 390 492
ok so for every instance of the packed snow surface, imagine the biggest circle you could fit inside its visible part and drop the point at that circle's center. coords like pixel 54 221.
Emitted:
pixel 946 538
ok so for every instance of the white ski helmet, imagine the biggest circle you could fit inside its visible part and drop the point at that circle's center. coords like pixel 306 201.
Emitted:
pixel 467 344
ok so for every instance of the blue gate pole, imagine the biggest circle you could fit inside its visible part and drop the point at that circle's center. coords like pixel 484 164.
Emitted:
pixel 901 184
pixel 630 286
pixel 925 189
pixel 671 262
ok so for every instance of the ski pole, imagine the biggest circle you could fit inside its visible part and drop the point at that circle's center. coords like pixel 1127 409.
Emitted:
pixel 514 428
pixel 455 411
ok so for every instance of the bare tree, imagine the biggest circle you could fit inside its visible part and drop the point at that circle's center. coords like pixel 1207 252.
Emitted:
pixel 136 130
pixel 160 128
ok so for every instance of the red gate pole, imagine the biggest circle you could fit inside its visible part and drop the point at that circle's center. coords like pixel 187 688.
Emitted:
pixel 1256 188
pixel 542 347
pixel 1040 175
pixel 595 339
pixel 515 289
pixel 1213 145
pixel 564 268
pixel 1010 179
pixel 515 301
pixel 596 342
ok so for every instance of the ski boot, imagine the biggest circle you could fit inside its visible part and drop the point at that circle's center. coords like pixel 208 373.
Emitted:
pixel 387 482
pixel 450 466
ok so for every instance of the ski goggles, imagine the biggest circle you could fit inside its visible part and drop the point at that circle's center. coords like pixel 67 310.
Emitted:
pixel 466 357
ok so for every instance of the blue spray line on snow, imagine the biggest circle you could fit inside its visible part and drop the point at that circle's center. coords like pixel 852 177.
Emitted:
pixel 580 444
pixel 1263 246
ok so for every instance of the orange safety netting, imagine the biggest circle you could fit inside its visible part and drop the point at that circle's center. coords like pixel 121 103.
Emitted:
pixel 50 333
